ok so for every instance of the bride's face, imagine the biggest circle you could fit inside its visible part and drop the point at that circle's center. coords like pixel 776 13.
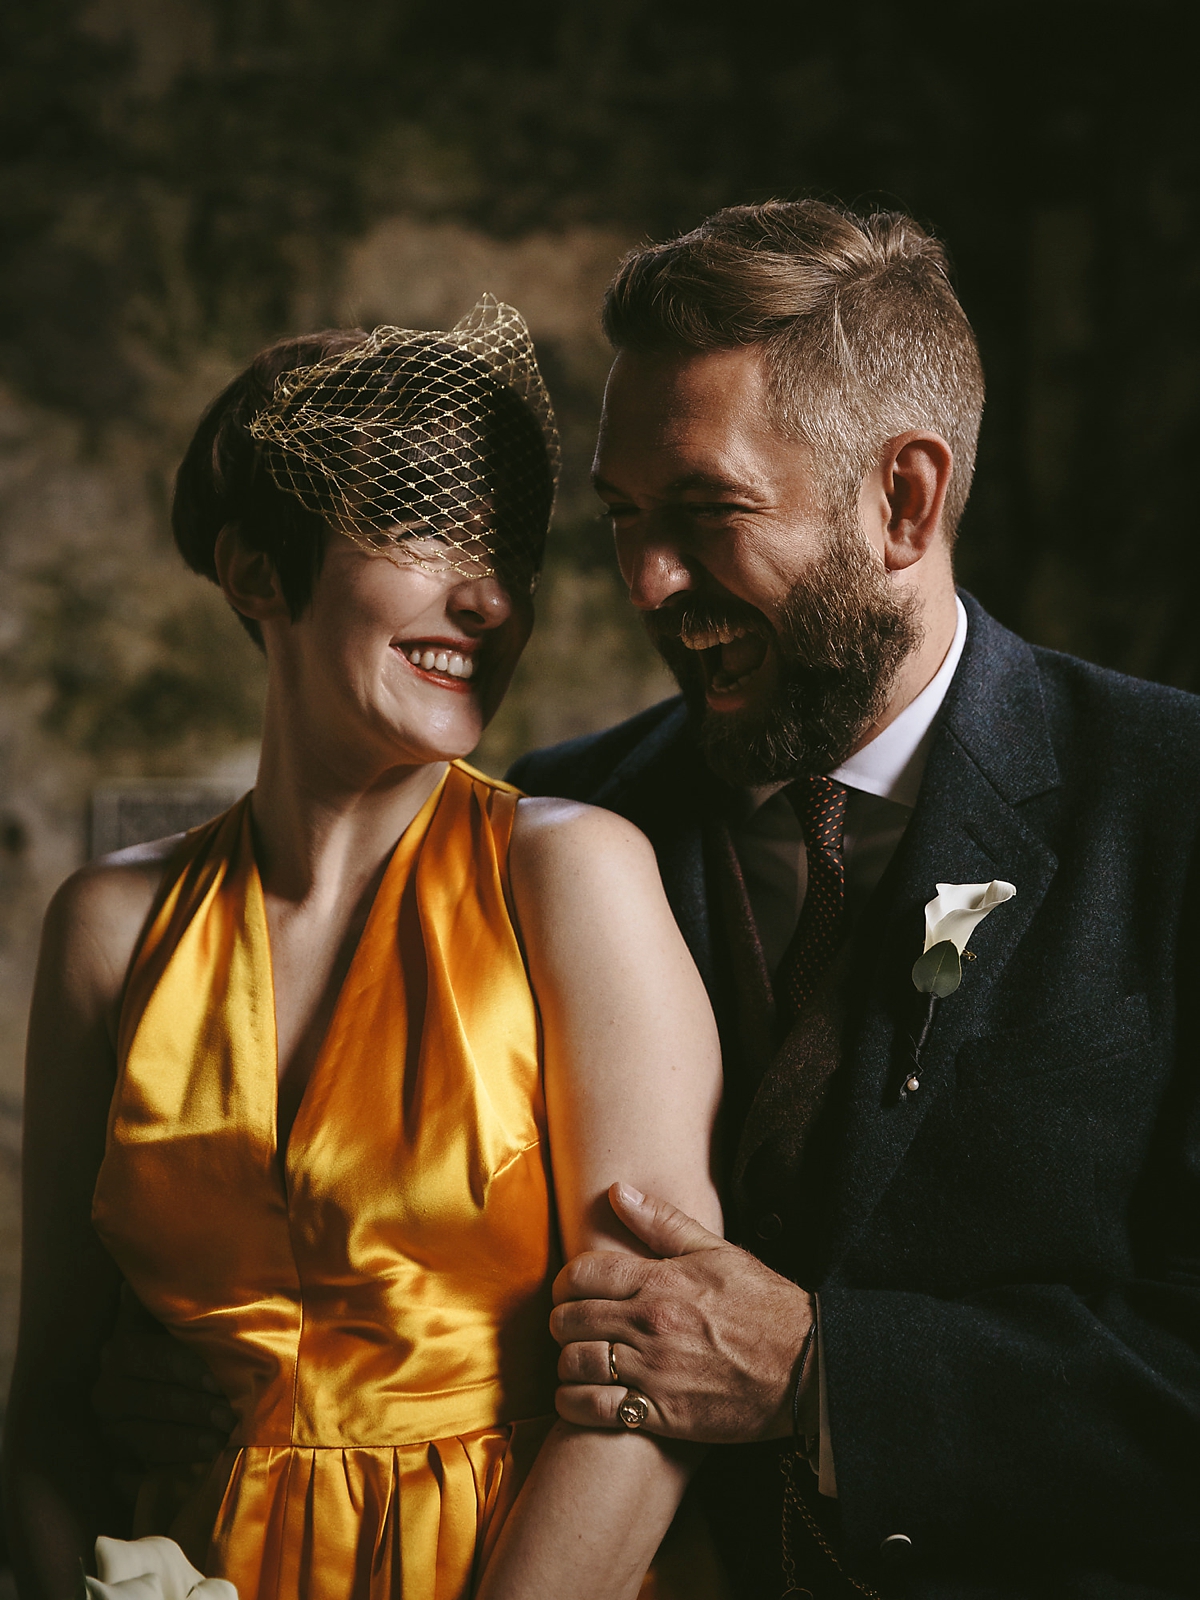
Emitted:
pixel 405 659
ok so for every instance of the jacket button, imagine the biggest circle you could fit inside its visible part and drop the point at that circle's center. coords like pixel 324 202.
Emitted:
pixel 896 1547
pixel 768 1226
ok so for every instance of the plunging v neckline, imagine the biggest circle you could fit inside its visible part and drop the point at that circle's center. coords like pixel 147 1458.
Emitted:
pixel 412 834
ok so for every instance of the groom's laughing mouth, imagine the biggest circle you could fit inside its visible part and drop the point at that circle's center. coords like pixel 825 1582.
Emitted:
pixel 730 657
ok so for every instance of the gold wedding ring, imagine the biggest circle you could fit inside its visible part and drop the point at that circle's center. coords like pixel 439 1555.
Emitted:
pixel 614 1375
pixel 633 1410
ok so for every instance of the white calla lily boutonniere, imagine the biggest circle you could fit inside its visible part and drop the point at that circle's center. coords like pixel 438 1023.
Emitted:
pixel 150 1569
pixel 951 917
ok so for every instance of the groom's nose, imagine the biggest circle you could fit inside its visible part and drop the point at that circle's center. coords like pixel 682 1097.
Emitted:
pixel 654 567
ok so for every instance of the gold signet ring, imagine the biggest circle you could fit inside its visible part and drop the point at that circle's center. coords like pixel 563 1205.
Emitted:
pixel 634 1409
pixel 613 1374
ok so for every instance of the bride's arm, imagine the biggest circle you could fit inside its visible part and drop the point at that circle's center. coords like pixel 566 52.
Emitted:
pixel 58 1469
pixel 632 1086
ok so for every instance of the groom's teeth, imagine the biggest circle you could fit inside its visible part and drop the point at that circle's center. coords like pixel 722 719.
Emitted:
pixel 722 634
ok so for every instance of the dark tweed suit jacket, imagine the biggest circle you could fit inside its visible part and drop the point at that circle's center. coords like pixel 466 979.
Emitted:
pixel 1008 1260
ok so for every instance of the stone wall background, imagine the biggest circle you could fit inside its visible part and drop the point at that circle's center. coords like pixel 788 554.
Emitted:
pixel 183 180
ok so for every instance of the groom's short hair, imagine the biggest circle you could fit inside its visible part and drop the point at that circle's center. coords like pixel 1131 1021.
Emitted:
pixel 863 334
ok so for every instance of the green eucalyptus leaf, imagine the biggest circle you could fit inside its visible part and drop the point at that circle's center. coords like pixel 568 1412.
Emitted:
pixel 938 971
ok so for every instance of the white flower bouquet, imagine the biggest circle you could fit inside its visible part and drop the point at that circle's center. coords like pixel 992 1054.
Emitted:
pixel 150 1569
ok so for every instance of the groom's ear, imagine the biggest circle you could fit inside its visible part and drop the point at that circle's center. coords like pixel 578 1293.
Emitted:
pixel 902 501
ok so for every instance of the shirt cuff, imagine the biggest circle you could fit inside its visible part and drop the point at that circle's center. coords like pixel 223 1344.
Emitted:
pixel 826 1477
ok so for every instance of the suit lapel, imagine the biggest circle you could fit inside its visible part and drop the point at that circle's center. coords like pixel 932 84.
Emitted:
pixel 750 979
pixel 992 753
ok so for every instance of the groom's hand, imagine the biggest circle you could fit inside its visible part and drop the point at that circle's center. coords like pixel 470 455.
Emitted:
pixel 709 1335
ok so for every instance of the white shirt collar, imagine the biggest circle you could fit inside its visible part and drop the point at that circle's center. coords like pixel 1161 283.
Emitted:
pixel 893 764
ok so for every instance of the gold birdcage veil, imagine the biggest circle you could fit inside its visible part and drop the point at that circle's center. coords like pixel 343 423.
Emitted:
pixel 437 448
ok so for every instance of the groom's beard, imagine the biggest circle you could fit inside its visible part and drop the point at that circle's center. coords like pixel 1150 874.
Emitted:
pixel 842 636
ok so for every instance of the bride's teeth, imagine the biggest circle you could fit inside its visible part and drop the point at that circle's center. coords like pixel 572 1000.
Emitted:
pixel 450 662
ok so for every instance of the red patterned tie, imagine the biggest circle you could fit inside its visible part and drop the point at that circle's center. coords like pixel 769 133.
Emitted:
pixel 820 804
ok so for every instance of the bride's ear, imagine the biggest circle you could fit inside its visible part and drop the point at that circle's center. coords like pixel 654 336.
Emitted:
pixel 247 577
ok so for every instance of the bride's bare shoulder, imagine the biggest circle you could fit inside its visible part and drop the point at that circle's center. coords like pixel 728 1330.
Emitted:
pixel 558 834
pixel 572 860
pixel 94 920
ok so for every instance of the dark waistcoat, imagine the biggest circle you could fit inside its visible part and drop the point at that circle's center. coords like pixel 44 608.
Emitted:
pixel 781 1108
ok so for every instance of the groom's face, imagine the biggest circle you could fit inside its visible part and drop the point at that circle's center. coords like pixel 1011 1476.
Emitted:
pixel 773 609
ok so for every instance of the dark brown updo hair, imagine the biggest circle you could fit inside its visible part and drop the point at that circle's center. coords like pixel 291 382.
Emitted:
pixel 223 479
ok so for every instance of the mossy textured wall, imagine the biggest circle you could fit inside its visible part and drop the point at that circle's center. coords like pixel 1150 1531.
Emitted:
pixel 183 180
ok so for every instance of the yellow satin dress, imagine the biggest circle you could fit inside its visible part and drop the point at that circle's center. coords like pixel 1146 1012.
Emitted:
pixel 374 1299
